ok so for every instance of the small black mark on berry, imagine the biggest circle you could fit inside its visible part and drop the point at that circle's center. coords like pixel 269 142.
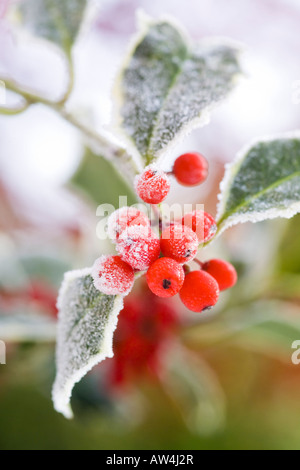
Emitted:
pixel 166 283
pixel 187 254
pixel 206 309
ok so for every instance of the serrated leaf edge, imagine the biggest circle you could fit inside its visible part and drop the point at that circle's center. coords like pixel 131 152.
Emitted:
pixel 61 398
pixel 231 170
pixel 144 23
pixel 91 9
pixel 205 117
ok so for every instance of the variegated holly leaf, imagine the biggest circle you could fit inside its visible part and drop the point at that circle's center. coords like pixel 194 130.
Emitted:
pixel 263 183
pixel 87 320
pixel 54 20
pixel 167 87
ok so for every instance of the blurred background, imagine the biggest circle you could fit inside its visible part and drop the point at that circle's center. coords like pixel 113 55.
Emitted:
pixel 177 381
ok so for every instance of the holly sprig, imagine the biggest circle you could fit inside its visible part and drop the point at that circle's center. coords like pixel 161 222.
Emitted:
pixel 167 86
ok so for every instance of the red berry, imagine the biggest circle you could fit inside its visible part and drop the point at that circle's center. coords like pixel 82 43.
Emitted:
pixel 190 169
pixel 139 246
pixel 223 272
pixel 152 185
pixel 200 291
pixel 145 327
pixel 165 277
pixel 112 276
pixel 180 243
pixel 202 223
pixel 123 218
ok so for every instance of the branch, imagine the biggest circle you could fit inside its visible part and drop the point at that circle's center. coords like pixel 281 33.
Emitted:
pixel 123 162
pixel 14 111
pixel 29 96
pixel 69 90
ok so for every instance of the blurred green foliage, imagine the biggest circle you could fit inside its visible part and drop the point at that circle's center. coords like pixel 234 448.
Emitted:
pixel 263 410
pixel 289 252
pixel 101 182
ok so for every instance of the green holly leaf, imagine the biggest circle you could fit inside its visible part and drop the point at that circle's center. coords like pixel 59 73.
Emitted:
pixel 101 182
pixel 168 86
pixel 54 20
pixel 87 320
pixel 263 183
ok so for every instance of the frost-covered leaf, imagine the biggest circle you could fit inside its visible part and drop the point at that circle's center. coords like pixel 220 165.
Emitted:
pixel 87 320
pixel 263 183
pixel 55 20
pixel 167 87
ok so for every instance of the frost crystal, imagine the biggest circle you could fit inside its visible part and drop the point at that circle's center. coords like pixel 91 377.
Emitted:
pixel 139 247
pixel 54 20
pixel 112 276
pixel 180 243
pixel 123 218
pixel 87 321
pixel 263 183
pixel 153 185
pixel 168 86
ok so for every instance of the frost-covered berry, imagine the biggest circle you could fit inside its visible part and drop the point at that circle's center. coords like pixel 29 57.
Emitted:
pixel 200 291
pixel 138 246
pixel 179 243
pixel 202 223
pixel 123 218
pixel 223 272
pixel 190 169
pixel 112 275
pixel 165 277
pixel 152 185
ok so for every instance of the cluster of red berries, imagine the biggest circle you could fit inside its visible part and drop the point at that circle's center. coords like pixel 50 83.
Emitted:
pixel 139 247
